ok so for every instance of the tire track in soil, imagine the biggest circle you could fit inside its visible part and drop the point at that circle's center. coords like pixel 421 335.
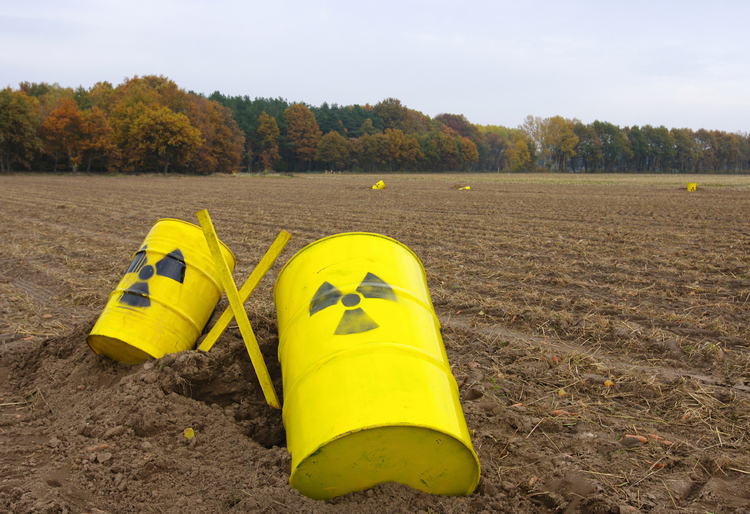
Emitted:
pixel 613 360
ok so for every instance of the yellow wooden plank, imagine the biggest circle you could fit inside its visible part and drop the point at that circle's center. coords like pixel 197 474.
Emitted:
pixel 247 289
pixel 239 311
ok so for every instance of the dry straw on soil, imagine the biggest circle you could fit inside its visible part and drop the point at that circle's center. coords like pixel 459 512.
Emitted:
pixel 597 327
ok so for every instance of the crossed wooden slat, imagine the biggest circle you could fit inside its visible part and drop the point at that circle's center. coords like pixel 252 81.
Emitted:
pixel 236 302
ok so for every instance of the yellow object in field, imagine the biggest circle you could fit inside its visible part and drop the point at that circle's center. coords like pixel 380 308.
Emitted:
pixel 164 300
pixel 692 186
pixel 236 303
pixel 246 290
pixel 369 396
pixel 379 185
pixel 467 188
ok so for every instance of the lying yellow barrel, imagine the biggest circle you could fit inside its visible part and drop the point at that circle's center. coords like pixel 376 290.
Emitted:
pixel 379 185
pixel 369 396
pixel 164 300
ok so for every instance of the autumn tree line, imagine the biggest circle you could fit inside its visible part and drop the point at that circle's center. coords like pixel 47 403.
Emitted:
pixel 149 124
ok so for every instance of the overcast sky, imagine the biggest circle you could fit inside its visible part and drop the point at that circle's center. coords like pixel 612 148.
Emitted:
pixel 678 63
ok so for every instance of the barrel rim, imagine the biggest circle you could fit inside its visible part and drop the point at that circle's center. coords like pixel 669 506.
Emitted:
pixel 201 230
pixel 379 426
pixel 332 236
pixel 394 425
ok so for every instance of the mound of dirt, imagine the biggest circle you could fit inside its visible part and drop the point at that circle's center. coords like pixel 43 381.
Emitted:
pixel 82 433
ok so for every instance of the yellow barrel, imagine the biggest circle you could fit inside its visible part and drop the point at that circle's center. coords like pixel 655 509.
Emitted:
pixel 379 185
pixel 164 300
pixel 369 396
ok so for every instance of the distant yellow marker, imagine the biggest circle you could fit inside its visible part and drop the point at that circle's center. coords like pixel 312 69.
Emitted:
pixel 692 186
pixel 467 188
pixel 247 289
pixel 239 310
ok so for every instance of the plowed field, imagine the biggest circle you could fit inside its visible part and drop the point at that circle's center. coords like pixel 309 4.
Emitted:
pixel 597 327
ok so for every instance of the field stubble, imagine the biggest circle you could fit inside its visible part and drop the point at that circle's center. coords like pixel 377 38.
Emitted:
pixel 598 331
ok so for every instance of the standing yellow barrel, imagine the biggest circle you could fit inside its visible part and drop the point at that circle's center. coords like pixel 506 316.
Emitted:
pixel 369 396
pixel 164 300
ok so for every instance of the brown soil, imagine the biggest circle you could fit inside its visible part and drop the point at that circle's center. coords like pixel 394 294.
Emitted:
pixel 572 315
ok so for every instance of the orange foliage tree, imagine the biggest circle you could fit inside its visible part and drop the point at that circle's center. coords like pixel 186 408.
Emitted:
pixel 223 142
pixel 467 151
pixel 204 139
pixel 100 146
pixel 302 132
pixel 446 147
pixel 162 137
pixel 65 133
pixel 403 150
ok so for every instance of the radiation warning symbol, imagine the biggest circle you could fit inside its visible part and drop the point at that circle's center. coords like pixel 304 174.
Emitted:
pixel 354 320
pixel 171 266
